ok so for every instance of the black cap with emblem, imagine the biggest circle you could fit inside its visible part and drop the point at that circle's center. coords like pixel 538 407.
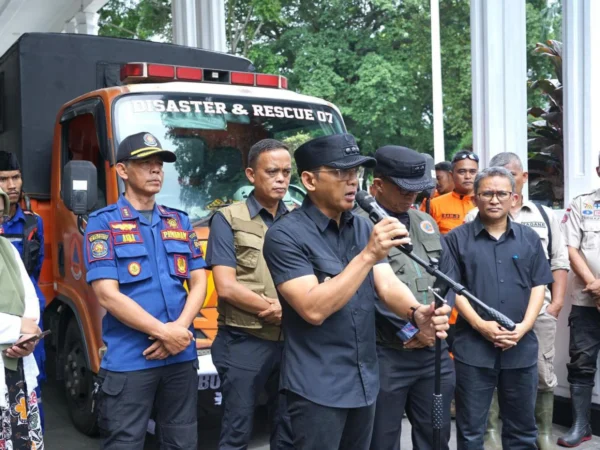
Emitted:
pixel 338 151
pixel 405 167
pixel 143 145
pixel 8 161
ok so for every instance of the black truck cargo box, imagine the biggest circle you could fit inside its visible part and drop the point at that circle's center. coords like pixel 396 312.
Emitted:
pixel 43 71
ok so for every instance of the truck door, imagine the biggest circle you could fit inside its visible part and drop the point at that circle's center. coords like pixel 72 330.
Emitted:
pixel 83 138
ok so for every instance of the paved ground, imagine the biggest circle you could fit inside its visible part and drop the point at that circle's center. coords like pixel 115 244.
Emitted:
pixel 60 434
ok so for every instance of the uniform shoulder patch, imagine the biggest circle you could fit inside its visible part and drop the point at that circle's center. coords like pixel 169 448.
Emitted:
pixel 99 245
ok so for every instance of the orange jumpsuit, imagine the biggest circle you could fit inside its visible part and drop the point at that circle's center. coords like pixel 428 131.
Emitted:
pixel 449 210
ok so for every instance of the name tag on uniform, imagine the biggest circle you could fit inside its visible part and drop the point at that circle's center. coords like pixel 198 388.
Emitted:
pixel 128 238
pixel 174 235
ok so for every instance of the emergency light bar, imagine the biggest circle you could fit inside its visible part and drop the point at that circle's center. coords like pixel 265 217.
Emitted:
pixel 133 73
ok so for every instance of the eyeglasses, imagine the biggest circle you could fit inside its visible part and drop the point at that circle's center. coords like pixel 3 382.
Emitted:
pixel 500 195
pixel 460 157
pixel 344 174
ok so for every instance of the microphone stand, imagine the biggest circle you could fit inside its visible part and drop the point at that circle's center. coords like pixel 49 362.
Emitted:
pixel 432 269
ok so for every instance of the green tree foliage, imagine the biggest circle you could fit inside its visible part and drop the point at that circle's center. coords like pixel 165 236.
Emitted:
pixel 544 22
pixel 137 19
pixel 372 58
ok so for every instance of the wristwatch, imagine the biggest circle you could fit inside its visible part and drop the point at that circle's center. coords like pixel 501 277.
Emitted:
pixel 411 315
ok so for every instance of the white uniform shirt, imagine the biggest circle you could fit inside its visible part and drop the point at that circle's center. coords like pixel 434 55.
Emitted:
pixel 530 216
pixel 581 230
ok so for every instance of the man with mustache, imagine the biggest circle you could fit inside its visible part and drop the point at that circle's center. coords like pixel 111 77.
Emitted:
pixel 25 230
pixel 138 257
pixel 327 264
pixel 407 360
pixel 449 210
pixel 503 264
pixel 249 344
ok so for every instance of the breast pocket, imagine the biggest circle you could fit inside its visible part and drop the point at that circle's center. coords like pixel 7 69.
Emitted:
pixel 179 254
pixel 433 247
pixel 132 263
pixel 325 269
pixel 248 247
pixel 591 235
pixel 523 268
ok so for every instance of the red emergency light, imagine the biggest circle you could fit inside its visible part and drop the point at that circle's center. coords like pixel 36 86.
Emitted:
pixel 132 73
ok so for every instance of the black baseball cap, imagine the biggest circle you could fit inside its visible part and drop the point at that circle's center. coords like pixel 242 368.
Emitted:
pixel 142 145
pixel 8 161
pixel 338 151
pixel 405 167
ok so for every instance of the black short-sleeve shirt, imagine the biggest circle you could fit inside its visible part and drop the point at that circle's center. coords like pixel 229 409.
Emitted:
pixel 334 364
pixel 500 273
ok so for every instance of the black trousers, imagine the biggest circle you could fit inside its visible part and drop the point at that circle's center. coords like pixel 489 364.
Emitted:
pixel 407 383
pixel 517 390
pixel 318 427
pixel 126 401
pixel 249 366
pixel 584 344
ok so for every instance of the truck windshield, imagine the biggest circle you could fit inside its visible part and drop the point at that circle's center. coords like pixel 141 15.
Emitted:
pixel 212 136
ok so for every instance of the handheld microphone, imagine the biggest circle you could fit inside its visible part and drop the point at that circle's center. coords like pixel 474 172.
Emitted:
pixel 375 212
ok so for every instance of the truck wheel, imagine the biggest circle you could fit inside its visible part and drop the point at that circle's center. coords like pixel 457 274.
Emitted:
pixel 79 382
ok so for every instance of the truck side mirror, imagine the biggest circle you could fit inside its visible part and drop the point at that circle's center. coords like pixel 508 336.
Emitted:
pixel 80 186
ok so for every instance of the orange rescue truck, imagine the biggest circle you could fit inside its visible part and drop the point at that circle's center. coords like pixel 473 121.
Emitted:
pixel 68 100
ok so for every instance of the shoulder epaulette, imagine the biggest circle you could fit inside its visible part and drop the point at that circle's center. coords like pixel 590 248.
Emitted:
pixel 583 195
pixel 105 209
pixel 169 209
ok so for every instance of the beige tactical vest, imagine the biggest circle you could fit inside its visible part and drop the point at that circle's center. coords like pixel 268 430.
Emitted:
pixel 251 271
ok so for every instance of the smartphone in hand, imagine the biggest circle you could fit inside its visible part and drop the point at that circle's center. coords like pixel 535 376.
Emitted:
pixel 34 338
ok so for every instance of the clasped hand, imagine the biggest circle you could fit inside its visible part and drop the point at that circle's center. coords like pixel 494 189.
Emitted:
pixel 272 314
pixel 593 289
pixel 175 339
pixel 500 336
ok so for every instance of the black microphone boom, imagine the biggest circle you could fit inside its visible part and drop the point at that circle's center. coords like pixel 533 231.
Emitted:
pixel 377 214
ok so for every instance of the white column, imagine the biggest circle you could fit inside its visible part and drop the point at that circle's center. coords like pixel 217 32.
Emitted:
pixel 86 22
pixel 211 25
pixel 184 22
pixel 581 95
pixel 439 153
pixel 70 27
pixel 499 77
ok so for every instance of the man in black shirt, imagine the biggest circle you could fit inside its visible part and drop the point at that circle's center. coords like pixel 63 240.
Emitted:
pixel 327 264
pixel 503 264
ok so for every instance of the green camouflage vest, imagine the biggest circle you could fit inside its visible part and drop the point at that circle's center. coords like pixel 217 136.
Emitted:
pixel 425 237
